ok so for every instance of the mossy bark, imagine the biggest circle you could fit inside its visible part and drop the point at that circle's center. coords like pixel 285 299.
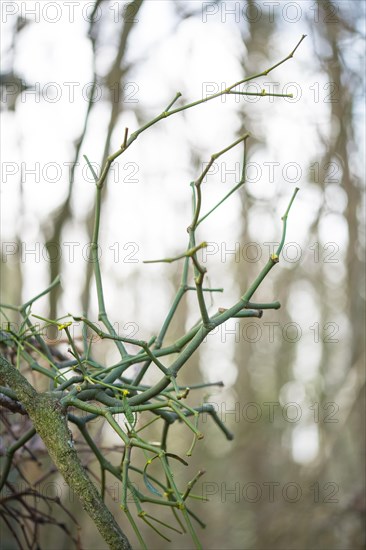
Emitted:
pixel 50 422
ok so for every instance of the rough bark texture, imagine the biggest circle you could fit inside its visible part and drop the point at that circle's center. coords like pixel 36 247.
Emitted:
pixel 50 423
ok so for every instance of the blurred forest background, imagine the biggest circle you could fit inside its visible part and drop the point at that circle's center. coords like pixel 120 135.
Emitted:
pixel 293 395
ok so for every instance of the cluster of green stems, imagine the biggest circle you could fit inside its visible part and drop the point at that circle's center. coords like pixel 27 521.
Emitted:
pixel 81 384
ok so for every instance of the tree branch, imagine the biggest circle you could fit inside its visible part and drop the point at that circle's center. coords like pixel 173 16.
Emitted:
pixel 50 422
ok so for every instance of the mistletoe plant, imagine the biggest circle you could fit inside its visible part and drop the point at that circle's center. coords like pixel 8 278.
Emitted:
pixel 80 389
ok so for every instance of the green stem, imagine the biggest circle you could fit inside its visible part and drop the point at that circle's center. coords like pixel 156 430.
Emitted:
pixel 233 190
pixel 11 452
pixel 125 466
pixel 95 259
